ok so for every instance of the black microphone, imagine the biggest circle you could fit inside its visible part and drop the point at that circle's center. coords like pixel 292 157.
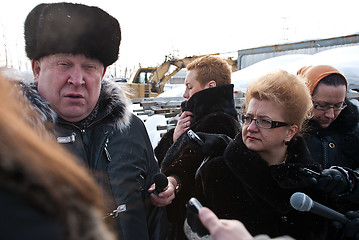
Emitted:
pixel 160 181
pixel 303 203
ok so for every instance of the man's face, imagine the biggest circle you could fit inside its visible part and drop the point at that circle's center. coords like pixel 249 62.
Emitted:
pixel 70 83
pixel 326 95
pixel 192 85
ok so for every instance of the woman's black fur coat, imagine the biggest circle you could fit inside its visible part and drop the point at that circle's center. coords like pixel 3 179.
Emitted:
pixel 241 185
pixel 213 112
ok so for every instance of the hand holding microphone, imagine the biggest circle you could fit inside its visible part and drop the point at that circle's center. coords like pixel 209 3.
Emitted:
pixel 161 183
pixel 163 192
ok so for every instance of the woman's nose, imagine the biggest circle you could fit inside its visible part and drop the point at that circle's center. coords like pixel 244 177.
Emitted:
pixel 252 126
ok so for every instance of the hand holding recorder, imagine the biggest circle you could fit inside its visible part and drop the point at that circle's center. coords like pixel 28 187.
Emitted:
pixel 334 181
pixel 193 206
pixel 208 144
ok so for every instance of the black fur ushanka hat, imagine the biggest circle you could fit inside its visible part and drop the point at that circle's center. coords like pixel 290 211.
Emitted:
pixel 72 28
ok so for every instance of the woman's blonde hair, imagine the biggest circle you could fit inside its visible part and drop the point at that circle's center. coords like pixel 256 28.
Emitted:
pixel 35 165
pixel 286 90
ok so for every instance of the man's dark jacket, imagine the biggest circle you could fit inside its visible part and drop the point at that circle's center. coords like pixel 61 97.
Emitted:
pixel 213 111
pixel 114 144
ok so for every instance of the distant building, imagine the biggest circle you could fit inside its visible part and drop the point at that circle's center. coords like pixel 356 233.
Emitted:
pixel 247 57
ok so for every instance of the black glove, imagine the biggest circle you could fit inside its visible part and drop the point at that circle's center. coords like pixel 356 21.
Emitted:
pixel 292 176
pixel 333 181
pixel 213 144
pixel 351 229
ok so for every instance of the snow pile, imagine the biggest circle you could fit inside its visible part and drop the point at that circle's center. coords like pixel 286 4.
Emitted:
pixel 151 125
pixel 176 91
pixel 241 78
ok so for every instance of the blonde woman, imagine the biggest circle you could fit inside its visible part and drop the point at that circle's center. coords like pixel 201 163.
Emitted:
pixel 261 168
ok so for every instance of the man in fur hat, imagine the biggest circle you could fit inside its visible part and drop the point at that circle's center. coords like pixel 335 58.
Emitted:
pixel 70 47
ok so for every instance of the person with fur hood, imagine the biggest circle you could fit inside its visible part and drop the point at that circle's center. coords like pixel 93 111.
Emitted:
pixel 209 107
pixel 70 47
pixel 44 192
pixel 332 133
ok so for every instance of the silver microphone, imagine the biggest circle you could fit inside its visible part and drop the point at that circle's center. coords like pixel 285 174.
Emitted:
pixel 303 203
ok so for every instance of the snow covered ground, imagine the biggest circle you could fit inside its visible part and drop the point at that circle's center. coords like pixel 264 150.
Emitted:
pixel 345 59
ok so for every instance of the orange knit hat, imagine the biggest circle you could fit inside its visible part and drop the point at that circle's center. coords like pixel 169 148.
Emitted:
pixel 313 75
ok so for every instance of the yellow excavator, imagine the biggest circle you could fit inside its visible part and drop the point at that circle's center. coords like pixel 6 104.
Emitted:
pixel 150 81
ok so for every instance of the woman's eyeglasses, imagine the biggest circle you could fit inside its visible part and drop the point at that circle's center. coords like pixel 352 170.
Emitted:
pixel 337 107
pixel 263 122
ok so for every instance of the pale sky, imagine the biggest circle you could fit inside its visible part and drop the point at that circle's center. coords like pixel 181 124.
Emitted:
pixel 153 29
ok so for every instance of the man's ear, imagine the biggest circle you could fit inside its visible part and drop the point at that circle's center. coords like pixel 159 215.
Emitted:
pixel 103 74
pixel 36 68
pixel 212 84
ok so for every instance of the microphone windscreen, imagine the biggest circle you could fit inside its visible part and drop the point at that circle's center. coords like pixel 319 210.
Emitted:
pixel 160 180
pixel 301 202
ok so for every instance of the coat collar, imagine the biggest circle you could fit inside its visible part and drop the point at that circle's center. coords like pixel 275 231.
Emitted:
pixel 211 100
pixel 112 104
pixel 261 179
pixel 241 160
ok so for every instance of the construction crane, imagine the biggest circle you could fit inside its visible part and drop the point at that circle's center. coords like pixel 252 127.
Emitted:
pixel 150 81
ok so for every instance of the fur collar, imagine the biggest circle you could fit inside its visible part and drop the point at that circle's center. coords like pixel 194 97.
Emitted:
pixel 112 104
pixel 240 159
pixel 347 121
pixel 41 106
pixel 211 100
pixel 250 169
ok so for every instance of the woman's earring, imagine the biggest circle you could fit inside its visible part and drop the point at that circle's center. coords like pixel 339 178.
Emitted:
pixel 287 142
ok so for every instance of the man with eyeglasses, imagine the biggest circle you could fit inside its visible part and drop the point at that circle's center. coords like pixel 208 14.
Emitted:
pixel 333 135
